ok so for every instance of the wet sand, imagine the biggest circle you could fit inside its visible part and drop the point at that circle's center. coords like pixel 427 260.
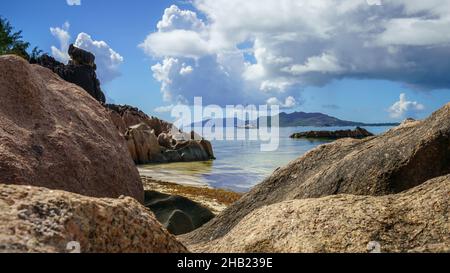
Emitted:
pixel 216 200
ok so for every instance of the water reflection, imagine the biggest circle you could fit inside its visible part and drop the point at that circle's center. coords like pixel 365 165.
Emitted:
pixel 189 173
pixel 240 165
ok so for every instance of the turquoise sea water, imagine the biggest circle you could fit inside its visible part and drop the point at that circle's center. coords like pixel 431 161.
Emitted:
pixel 240 165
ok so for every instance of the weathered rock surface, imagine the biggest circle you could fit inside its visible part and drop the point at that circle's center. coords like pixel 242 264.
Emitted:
pixel 207 146
pixel 398 160
pixel 143 144
pixel 80 71
pixel 41 220
pixel 175 146
pixel 414 221
pixel 192 150
pixel 215 200
pixel 358 133
pixel 408 121
pixel 81 57
pixel 178 214
pixel 54 135
pixel 166 141
pixel 125 116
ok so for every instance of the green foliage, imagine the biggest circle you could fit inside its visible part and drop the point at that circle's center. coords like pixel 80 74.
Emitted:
pixel 35 54
pixel 11 42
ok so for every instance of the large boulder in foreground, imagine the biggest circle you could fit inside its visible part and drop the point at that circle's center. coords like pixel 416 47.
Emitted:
pixel 40 220
pixel 398 160
pixel 414 221
pixel 54 135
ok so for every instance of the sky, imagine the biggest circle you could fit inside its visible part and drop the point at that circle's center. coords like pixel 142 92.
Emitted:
pixel 360 60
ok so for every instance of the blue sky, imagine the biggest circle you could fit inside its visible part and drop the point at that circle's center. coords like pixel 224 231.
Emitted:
pixel 231 53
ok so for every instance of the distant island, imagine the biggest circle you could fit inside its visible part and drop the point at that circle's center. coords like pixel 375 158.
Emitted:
pixel 300 119
pixel 296 119
pixel 358 133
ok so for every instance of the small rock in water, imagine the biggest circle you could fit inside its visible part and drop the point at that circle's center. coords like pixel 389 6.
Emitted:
pixel 358 133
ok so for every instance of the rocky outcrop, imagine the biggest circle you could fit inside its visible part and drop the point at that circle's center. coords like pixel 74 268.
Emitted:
pixel 191 150
pixel 408 121
pixel 207 146
pixel 178 214
pixel 143 144
pixel 80 70
pixel 398 160
pixel 54 135
pixel 166 141
pixel 358 133
pixel 414 221
pixel 41 220
pixel 125 116
pixel 170 145
pixel 81 57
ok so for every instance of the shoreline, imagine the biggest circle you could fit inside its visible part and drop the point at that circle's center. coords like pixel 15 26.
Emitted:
pixel 217 200
pixel 183 180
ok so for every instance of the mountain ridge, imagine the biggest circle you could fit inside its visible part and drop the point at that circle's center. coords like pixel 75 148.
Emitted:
pixel 296 119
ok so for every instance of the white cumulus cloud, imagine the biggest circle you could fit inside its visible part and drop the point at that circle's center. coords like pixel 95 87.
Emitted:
pixel 174 19
pixel 404 108
pixel 176 43
pixel 254 50
pixel 289 102
pixel 325 63
pixel 63 37
pixel 73 2
pixel 180 34
pixel 186 70
pixel 107 60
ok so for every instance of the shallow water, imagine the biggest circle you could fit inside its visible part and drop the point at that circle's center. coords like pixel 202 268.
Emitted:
pixel 240 165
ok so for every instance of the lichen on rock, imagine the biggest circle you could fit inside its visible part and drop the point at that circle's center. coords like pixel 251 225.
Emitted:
pixel 41 220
